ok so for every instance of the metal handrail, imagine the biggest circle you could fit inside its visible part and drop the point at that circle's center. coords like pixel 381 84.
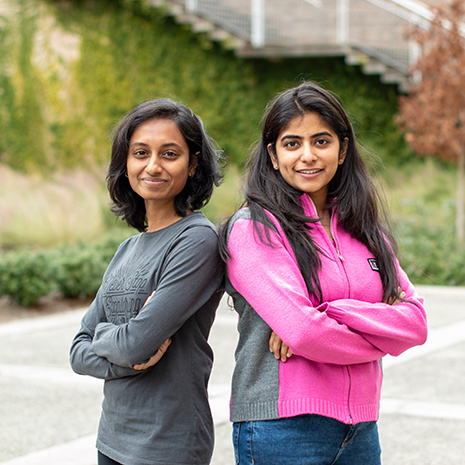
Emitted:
pixel 311 25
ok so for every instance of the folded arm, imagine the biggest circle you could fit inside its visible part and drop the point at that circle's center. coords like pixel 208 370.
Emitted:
pixel 191 276
pixel 391 328
pixel 268 277
pixel 83 359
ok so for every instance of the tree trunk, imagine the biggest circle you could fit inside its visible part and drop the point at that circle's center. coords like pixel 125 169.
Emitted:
pixel 460 197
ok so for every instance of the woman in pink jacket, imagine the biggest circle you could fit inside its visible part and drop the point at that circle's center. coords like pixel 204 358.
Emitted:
pixel 312 270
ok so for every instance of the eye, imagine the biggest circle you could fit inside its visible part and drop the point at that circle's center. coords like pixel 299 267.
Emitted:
pixel 170 154
pixel 291 144
pixel 321 142
pixel 139 153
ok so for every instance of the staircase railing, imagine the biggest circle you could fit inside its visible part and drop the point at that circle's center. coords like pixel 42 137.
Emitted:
pixel 375 29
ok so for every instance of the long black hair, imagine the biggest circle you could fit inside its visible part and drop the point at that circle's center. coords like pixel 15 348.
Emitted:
pixel 127 204
pixel 359 209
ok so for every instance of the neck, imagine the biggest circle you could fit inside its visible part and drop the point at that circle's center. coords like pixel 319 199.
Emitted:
pixel 323 215
pixel 319 203
pixel 160 216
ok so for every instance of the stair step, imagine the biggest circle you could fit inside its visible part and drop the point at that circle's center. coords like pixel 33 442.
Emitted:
pixel 368 33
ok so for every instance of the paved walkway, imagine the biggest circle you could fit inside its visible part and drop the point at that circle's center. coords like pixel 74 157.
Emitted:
pixel 49 415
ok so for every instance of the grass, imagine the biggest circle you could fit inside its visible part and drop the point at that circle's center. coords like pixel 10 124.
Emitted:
pixel 36 212
pixel 424 193
pixel 422 201
pixel 226 198
pixel 72 207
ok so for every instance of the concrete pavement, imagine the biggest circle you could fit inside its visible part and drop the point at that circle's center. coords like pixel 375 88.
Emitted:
pixel 49 415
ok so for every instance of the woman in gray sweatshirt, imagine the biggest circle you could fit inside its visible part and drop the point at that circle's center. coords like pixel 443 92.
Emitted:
pixel 146 332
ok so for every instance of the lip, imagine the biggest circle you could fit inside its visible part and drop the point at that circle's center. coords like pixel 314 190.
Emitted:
pixel 153 182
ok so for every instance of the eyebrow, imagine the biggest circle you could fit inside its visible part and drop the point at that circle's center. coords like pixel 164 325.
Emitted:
pixel 318 134
pixel 168 144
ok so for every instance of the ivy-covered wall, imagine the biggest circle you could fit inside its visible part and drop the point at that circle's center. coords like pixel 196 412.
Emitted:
pixel 70 69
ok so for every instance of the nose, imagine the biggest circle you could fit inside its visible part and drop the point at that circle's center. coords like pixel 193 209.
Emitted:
pixel 153 165
pixel 307 154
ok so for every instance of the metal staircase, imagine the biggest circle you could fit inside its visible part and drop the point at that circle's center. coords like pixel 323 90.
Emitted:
pixel 369 33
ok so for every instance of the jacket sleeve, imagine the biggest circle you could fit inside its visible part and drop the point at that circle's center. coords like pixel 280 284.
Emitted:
pixel 192 274
pixel 269 278
pixel 391 328
pixel 83 359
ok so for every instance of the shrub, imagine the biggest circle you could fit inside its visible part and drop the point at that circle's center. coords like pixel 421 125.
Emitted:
pixel 26 276
pixel 81 267
pixel 75 270
pixel 79 271
pixel 429 252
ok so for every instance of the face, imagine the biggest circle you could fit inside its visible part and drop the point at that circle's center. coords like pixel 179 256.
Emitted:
pixel 308 154
pixel 158 161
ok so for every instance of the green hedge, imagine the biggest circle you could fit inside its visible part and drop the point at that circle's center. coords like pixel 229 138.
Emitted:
pixel 26 276
pixel 430 253
pixel 74 270
pixel 433 259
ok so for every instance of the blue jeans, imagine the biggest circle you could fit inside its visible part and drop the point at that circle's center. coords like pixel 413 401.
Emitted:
pixel 104 460
pixel 306 440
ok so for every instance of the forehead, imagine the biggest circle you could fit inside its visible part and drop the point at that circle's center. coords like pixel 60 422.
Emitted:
pixel 156 128
pixel 307 124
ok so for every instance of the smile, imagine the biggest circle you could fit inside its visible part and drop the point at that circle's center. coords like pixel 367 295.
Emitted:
pixel 153 181
pixel 309 171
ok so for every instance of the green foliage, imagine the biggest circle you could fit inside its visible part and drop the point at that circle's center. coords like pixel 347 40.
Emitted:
pixel 59 104
pixel 227 198
pixel 26 275
pixel 21 124
pixel 429 251
pixel 423 214
pixel 80 271
pixel 75 270
pixel 423 218
pixel 80 267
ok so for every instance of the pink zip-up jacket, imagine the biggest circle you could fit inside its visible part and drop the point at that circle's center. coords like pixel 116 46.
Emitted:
pixel 337 345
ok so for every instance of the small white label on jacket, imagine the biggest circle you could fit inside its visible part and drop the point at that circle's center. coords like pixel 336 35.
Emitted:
pixel 374 264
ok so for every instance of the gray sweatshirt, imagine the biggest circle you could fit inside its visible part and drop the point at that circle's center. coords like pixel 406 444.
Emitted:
pixel 161 415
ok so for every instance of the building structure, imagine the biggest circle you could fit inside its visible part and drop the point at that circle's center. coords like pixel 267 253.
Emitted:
pixel 368 33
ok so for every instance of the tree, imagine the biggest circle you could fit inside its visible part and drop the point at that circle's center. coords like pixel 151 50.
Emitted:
pixel 433 112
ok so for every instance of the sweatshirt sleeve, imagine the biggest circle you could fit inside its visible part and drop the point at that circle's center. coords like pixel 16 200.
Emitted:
pixel 83 359
pixel 192 274
pixel 269 278
pixel 391 328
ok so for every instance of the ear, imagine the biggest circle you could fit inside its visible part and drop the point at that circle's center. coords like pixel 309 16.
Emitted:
pixel 343 150
pixel 193 164
pixel 272 154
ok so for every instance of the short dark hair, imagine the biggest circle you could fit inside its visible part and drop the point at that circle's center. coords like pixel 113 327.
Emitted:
pixel 127 204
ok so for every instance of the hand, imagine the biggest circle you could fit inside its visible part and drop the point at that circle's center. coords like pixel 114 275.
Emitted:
pixel 148 298
pixel 397 300
pixel 155 358
pixel 279 348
